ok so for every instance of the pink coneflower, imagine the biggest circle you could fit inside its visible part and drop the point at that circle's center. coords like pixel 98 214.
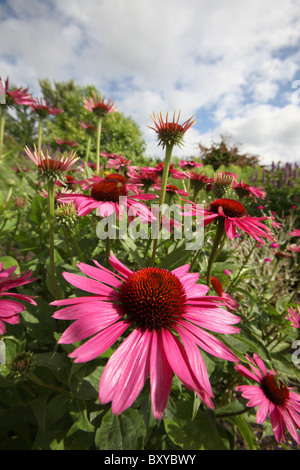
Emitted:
pixel 65 143
pixel 189 164
pixel 168 315
pixel 105 197
pixel 99 107
pixel 171 133
pixel 295 233
pixel 171 189
pixel 272 397
pixel 173 172
pixel 198 181
pixel 227 299
pixel 293 247
pixel 90 129
pixel 233 213
pixel 45 109
pixel 130 187
pixel 19 96
pixel 268 260
pixel 52 166
pixel 10 309
pixel 294 317
pixel 145 176
pixel 117 162
pixel 245 190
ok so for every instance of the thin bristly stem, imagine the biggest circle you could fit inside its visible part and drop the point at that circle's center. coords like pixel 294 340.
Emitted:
pixel 51 237
pixel 220 233
pixel 40 135
pixel 2 126
pixel 167 162
pixel 99 125
pixel 234 281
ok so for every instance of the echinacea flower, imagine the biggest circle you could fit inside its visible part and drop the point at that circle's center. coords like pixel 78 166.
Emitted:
pixel 90 129
pixel 293 247
pixel 52 167
pixel 130 187
pixel 171 189
pixel 18 96
pixel 245 190
pixel 167 315
pixel 99 107
pixel 272 397
pixel 10 309
pixel 198 181
pixel 188 164
pixel 294 317
pixel 145 176
pixel 170 133
pixel 105 197
pixel 233 214
pixel 66 143
pixel 44 109
pixel 227 299
pixel 295 233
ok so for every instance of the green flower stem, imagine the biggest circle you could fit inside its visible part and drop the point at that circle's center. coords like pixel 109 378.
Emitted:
pixel 218 243
pixel 51 185
pixel 38 381
pixel 40 135
pixel 2 126
pixel 167 162
pixel 75 243
pixel 107 250
pixel 294 295
pixel 88 148
pixel 234 281
pixel 99 126
pixel 197 254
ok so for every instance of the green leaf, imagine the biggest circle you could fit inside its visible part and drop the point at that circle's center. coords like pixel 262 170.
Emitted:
pixel 78 412
pixel 131 248
pixel 123 432
pixel 8 262
pixel 201 433
pixel 58 363
pixel 176 258
pixel 245 430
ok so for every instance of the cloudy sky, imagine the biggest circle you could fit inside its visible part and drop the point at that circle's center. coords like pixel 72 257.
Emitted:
pixel 234 64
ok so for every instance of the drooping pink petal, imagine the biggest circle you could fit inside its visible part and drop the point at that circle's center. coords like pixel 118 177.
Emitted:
pixel 97 345
pixel 87 325
pixel 208 342
pixel 113 369
pixel 161 376
pixel 178 360
pixel 134 373
pixel 196 360
pixel 229 228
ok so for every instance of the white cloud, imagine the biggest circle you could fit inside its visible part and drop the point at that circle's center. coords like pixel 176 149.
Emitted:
pixel 166 55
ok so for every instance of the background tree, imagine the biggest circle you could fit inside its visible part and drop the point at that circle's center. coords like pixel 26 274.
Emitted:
pixel 223 154
pixel 120 134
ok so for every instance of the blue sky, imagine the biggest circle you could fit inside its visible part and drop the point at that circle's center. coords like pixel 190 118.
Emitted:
pixel 232 64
